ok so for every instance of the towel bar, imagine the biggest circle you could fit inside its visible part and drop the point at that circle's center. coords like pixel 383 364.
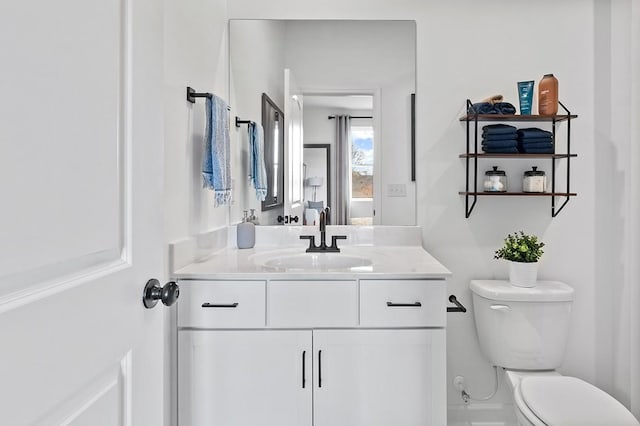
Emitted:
pixel 192 95
pixel 239 122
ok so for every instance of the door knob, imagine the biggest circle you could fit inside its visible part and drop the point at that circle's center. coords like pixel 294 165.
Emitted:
pixel 153 292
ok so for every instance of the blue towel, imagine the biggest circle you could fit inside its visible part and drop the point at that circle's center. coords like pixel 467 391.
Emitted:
pixel 257 170
pixel 216 161
pixel 534 132
pixel 529 150
pixel 536 145
pixel 492 108
pixel 504 150
pixel 498 129
pixel 499 136
pixel 500 143
pixel 528 141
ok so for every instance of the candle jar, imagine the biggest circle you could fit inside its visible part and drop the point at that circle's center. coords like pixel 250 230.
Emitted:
pixel 495 180
pixel 534 180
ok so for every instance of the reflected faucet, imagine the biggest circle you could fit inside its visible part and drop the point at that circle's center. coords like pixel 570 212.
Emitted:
pixel 323 247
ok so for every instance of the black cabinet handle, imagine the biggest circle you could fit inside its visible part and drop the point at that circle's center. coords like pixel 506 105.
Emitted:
pixel 304 359
pixel 414 304
pixel 220 305
pixel 319 369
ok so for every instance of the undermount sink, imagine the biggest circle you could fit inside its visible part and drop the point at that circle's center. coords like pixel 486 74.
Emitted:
pixel 316 262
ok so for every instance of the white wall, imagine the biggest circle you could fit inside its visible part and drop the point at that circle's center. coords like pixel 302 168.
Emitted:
pixel 460 56
pixel 196 55
pixel 257 66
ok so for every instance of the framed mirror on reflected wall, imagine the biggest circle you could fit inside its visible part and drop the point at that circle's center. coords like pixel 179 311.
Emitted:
pixel 273 125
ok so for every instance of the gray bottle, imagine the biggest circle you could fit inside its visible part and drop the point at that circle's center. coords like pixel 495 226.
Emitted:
pixel 246 236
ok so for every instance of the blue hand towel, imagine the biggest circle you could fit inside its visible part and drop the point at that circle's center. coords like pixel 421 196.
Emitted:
pixel 534 132
pixel 504 150
pixel 257 170
pixel 499 136
pixel 527 141
pixel 492 108
pixel 498 129
pixel 216 161
pixel 528 150
pixel 500 143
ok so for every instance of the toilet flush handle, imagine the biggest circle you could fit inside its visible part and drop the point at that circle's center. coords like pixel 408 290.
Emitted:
pixel 503 308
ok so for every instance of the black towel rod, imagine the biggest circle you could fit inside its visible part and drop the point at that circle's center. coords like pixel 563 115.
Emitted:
pixel 192 95
pixel 239 122
pixel 331 117
pixel 458 307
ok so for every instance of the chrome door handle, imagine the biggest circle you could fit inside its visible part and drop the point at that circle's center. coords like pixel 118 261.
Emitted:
pixel 153 292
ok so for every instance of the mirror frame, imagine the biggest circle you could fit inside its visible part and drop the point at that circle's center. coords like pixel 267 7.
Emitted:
pixel 270 114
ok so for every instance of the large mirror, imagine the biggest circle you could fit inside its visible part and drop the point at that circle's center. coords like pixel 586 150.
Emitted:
pixel 355 82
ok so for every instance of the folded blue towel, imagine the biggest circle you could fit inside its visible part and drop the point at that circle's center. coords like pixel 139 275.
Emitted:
pixel 499 136
pixel 504 150
pixel 498 128
pixel 527 141
pixel 536 145
pixel 500 143
pixel 504 108
pixel 534 132
pixel 216 159
pixel 530 150
pixel 257 170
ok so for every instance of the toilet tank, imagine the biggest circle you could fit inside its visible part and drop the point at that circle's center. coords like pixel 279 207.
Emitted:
pixel 522 328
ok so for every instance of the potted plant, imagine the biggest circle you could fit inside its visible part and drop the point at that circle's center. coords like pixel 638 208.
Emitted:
pixel 523 252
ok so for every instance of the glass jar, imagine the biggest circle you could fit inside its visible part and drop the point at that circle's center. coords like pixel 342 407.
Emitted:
pixel 495 180
pixel 534 180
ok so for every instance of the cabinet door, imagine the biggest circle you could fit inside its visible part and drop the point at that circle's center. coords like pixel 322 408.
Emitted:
pixel 379 377
pixel 244 378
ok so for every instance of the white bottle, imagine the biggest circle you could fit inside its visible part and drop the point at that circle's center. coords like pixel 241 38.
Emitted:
pixel 246 233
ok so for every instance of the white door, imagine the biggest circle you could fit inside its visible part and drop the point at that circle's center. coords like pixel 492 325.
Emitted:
pixel 293 137
pixel 245 377
pixel 81 153
pixel 378 377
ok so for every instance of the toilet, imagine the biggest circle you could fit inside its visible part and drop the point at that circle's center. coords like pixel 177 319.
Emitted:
pixel 524 331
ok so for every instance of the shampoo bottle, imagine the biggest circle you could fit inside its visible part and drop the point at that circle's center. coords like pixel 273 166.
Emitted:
pixel 548 95
pixel 246 236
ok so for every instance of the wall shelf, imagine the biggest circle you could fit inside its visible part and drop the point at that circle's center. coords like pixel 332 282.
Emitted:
pixel 473 155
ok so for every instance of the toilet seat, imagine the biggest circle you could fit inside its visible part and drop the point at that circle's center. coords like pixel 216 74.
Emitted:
pixel 561 400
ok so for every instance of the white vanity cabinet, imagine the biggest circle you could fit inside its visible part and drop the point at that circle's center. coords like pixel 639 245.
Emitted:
pixel 325 353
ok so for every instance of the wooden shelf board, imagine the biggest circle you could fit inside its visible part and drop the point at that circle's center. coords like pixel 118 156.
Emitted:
pixel 522 194
pixel 517 117
pixel 519 155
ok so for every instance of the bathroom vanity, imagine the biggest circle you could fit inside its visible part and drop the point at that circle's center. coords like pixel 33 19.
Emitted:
pixel 282 337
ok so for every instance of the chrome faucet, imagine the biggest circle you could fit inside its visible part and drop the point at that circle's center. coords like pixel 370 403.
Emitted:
pixel 323 247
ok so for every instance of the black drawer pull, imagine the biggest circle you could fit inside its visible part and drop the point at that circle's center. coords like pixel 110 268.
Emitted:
pixel 414 304
pixel 220 305
pixel 304 362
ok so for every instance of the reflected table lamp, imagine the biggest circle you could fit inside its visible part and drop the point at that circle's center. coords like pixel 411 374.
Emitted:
pixel 315 182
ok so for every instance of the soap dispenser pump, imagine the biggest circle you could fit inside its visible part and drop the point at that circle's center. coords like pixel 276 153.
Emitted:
pixel 246 233
pixel 253 218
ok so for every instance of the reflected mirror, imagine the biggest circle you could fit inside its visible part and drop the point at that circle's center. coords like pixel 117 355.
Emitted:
pixel 273 126
pixel 355 81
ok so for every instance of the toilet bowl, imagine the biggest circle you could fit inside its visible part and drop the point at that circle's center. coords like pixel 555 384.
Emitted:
pixel 524 331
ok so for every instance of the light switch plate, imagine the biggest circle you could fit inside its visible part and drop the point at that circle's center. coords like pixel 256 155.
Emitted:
pixel 397 190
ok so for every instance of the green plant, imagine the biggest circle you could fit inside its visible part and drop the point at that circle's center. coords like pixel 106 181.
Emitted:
pixel 520 247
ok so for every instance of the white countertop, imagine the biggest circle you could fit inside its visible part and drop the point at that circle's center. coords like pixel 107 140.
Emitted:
pixel 387 262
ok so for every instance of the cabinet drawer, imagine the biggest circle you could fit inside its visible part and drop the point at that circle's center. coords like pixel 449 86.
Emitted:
pixel 303 304
pixel 221 304
pixel 400 303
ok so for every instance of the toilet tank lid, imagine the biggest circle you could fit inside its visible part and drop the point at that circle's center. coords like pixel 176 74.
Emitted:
pixel 544 291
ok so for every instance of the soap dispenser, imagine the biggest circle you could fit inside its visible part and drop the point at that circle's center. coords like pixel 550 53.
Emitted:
pixel 246 233
pixel 253 218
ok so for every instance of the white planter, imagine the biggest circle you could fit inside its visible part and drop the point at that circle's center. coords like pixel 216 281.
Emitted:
pixel 523 274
